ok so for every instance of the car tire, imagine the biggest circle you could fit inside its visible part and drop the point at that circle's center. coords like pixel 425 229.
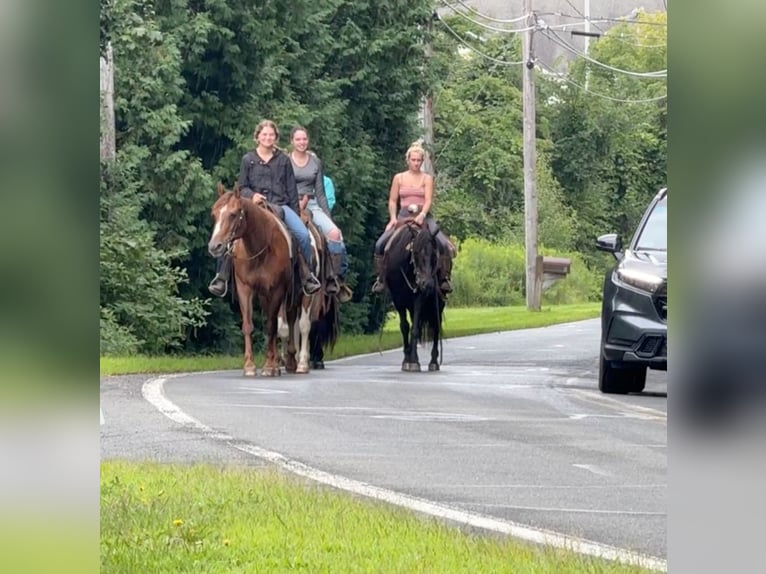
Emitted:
pixel 620 380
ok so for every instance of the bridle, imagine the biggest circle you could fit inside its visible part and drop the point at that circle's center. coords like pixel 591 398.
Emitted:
pixel 235 234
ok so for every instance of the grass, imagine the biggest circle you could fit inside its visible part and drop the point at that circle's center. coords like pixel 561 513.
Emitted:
pixel 201 518
pixel 458 322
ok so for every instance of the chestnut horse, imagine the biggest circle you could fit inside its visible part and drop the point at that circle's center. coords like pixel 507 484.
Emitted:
pixel 410 272
pixel 262 267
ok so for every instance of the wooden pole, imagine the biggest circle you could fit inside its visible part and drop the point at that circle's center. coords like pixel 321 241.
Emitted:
pixel 533 271
pixel 106 76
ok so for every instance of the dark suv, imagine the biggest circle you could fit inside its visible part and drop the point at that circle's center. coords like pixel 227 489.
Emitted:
pixel 634 314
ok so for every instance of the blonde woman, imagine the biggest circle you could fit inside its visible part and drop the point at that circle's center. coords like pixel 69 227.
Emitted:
pixel 412 191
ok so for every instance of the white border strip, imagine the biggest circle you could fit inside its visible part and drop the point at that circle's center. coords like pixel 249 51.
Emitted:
pixel 152 390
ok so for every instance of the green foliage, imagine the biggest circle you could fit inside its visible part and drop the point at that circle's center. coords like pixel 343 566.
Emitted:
pixel 140 306
pixel 488 274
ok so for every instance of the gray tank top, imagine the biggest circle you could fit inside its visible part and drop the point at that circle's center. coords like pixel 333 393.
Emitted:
pixel 306 176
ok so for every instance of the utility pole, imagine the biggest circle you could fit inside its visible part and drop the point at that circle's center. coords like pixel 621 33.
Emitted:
pixel 533 262
pixel 106 81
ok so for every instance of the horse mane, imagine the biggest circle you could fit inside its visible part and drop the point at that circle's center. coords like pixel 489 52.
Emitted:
pixel 423 241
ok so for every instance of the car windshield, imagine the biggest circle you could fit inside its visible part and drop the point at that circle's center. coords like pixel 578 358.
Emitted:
pixel 654 235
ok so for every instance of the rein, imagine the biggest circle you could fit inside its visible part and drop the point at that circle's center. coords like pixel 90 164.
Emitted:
pixel 232 239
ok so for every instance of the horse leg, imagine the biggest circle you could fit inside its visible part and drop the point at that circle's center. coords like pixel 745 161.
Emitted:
pixel 271 313
pixel 302 330
pixel 417 314
pixel 283 328
pixel 404 326
pixel 316 353
pixel 434 364
pixel 245 296
pixel 287 358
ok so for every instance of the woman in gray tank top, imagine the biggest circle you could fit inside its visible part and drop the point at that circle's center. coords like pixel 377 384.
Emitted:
pixel 309 178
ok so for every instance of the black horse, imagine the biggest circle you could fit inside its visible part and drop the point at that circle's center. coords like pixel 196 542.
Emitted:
pixel 410 272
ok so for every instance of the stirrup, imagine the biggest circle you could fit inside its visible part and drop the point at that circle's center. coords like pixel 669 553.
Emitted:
pixel 345 294
pixel 331 286
pixel 218 286
pixel 311 285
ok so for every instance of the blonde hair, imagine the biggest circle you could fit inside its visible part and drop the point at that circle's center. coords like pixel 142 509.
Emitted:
pixel 266 124
pixel 415 148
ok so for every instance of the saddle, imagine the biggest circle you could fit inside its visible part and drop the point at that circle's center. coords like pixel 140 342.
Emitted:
pixel 400 225
pixel 279 214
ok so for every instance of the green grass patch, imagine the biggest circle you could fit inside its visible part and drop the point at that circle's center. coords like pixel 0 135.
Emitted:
pixel 458 322
pixel 200 518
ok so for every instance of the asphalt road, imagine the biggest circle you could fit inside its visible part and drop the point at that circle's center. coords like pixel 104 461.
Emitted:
pixel 513 427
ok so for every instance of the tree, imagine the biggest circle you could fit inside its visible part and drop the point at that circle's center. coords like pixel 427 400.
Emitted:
pixel 610 155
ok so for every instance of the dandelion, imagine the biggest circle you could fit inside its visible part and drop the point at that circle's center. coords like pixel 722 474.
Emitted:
pixel 178 522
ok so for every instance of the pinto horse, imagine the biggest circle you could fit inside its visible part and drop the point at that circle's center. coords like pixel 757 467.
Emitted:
pixel 410 272
pixel 260 247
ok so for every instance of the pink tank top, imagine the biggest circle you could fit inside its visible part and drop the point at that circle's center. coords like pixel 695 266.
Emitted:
pixel 409 194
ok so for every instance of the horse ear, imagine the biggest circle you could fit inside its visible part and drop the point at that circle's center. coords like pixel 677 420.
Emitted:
pixel 221 189
pixel 237 191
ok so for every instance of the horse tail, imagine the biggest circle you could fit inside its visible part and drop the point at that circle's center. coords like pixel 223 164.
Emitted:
pixel 331 332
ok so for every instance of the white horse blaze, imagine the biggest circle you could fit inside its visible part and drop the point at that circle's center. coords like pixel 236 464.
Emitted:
pixel 217 228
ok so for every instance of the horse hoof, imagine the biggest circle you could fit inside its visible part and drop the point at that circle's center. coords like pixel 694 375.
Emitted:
pixel 433 366
pixel 317 365
pixel 271 372
pixel 249 372
pixel 302 369
pixel 411 367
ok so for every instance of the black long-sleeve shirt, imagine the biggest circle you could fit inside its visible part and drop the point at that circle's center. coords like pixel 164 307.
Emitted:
pixel 274 179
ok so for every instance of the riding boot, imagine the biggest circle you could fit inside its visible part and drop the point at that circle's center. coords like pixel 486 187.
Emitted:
pixel 379 286
pixel 344 292
pixel 445 272
pixel 308 280
pixel 331 284
pixel 219 286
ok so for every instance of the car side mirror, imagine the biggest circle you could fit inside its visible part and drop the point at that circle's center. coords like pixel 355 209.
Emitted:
pixel 612 243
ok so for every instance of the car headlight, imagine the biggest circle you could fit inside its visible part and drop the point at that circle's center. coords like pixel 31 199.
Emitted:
pixel 640 279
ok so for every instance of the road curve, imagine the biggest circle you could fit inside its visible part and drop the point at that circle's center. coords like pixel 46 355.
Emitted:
pixel 511 435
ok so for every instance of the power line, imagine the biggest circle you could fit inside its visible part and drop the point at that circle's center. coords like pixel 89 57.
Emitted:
pixel 482 24
pixel 564 44
pixel 597 94
pixel 490 18
pixel 480 53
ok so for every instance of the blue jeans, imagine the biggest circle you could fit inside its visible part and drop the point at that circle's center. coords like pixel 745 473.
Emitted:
pixel 299 231
pixel 325 225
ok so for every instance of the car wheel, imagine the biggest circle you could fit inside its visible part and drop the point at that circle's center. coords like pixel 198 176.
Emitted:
pixel 620 380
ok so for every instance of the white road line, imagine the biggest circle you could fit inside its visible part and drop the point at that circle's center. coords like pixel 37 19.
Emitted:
pixel 152 390
pixel 553 486
pixel 593 469
pixel 569 510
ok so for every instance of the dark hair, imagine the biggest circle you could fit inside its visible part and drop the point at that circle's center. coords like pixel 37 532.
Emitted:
pixel 297 129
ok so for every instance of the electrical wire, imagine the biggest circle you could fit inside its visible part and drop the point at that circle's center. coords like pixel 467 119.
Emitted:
pixel 597 94
pixel 490 18
pixel 480 53
pixel 483 25
pixel 554 37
